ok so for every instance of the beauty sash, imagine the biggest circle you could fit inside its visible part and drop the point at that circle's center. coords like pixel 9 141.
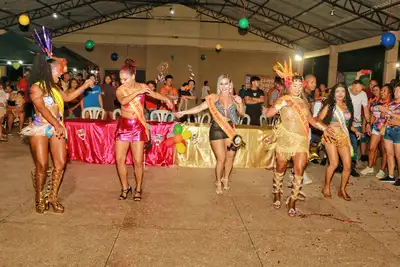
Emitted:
pixel 139 112
pixel 219 118
pixel 340 116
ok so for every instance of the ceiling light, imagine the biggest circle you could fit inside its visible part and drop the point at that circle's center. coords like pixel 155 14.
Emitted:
pixel 332 12
pixel 75 70
pixel 397 64
pixel 297 57
pixel 171 11
pixel 20 62
pixel 55 15
pixel 9 63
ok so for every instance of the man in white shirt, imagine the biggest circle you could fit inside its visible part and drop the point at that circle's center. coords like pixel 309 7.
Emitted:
pixel 360 105
pixel 205 91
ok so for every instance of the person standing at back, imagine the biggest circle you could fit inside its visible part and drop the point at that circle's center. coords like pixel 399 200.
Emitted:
pixel 92 97
pixel 205 91
pixel 254 100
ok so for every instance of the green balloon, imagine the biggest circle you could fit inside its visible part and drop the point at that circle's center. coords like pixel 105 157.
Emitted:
pixel 203 57
pixel 89 44
pixel 178 129
pixel 243 23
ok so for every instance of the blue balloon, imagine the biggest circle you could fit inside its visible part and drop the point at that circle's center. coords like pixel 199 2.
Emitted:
pixel 388 39
pixel 114 56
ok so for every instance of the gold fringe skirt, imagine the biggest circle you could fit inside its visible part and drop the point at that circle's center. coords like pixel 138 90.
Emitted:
pixel 290 143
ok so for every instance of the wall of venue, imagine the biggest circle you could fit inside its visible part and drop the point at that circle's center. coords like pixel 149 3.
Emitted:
pixel 186 36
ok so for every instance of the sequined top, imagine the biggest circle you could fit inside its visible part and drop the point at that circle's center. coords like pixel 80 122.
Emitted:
pixel 141 99
pixel 231 112
pixel 347 117
pixel 39 120
pixel 289 118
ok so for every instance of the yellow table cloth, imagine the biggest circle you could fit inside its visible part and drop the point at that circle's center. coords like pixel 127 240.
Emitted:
pixel 258 153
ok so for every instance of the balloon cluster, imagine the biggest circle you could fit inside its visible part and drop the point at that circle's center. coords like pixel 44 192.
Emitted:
pixel 191 74
pixel 162 69
pixel 178 138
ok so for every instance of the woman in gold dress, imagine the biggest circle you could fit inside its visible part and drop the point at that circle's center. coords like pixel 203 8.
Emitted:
pixel 338 113
pixel 292 139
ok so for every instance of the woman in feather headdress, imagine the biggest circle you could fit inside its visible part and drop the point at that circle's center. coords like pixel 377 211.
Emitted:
pixel 292 135
pixel 47 132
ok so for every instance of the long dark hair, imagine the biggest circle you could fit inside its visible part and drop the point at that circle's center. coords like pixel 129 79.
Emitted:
pixel 331 103
pixel 41 72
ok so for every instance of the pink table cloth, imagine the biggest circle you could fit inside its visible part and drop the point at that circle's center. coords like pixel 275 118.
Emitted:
pixel 93 141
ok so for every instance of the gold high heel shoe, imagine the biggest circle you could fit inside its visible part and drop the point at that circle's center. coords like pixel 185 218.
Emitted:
pixel 55 186
pixel 225 183
pixel 218 190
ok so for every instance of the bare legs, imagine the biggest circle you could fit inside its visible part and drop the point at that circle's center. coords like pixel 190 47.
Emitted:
pixel 333 155
pixel 373 146
pixel 224 164
pixel 393 156
pixel 121 149
pixel 137 154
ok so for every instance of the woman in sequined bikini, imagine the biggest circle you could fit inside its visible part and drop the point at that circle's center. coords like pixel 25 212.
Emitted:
pixel 227 110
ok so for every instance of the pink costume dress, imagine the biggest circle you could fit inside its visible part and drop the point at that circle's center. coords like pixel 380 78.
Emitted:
pixel 131 130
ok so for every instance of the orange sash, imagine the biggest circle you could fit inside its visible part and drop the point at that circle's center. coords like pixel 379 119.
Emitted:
pixel 299 112
pixel 219 118
pixel 139 112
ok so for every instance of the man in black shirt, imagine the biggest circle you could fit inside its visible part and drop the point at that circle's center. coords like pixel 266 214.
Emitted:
pixel 254 100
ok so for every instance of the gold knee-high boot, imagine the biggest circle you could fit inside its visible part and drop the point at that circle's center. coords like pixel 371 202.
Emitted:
pixel 39 179
pixel 296 192
pixel 277 185
pixel 56 179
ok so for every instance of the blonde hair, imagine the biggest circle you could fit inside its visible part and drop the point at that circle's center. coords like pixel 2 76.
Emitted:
pixel 224 76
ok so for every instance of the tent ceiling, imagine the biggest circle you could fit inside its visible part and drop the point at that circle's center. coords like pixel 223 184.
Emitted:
pixel 305 24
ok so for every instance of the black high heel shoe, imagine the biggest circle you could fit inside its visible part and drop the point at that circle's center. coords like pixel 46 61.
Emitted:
pixel 125 193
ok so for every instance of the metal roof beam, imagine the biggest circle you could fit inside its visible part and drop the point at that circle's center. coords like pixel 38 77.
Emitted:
pixel 45 11
pixel 374 14
pixel 293 23
pixel 228 20
pixel 104 19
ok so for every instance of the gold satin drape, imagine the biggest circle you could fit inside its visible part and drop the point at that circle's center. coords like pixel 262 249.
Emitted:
pixel 258 153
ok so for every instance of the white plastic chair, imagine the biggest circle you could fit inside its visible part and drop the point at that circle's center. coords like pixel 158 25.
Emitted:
pixel 161 116
pixel 94 113
pixel 272 121
pixel 263 120
pixel 116 112
pixel 246 119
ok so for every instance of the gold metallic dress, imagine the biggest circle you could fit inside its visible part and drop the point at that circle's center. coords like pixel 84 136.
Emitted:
pixel 290 135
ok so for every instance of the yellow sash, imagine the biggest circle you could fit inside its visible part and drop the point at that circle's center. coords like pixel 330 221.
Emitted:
pixel 299 112
pixel 139 112
pixel 219 118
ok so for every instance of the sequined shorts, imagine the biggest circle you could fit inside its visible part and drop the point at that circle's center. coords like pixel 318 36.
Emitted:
pixel 130 130
pixel 340 139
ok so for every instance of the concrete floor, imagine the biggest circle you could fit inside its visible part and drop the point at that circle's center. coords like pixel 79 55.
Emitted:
pixel 182 222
